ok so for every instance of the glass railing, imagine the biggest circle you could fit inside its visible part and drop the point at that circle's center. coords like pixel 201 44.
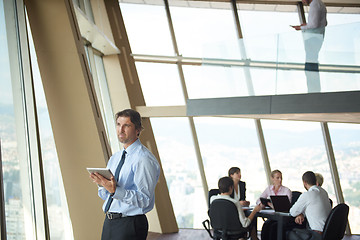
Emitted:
pixel 287 63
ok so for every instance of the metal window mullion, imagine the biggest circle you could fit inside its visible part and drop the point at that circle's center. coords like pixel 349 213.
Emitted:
pixel 186 97
pixel 259 131
pixel 36 164
pixel 333 168
pixel 263 150
pixel 248 78
pixel 2 202
pixel 301 12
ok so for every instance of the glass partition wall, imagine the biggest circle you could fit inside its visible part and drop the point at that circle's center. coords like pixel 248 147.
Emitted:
pixel 214 63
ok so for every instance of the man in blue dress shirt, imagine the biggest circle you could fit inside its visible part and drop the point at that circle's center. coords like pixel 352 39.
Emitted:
pixel 131 193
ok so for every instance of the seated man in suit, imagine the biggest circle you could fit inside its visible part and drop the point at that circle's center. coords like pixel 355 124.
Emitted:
pixel 226 187
pixel 239 193
pixel 314 205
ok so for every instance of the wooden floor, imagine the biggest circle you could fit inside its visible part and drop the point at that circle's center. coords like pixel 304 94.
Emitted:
pixel 197 234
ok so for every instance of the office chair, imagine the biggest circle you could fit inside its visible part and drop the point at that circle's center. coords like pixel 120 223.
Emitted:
pixel 334 228
pixel 211 193
pixel 224 219
pixel 336 222
pixel 295 196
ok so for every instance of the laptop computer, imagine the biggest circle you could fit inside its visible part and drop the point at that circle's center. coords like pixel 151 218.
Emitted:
pixel 281 203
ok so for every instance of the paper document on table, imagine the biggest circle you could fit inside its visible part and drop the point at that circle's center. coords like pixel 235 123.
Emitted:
pixel 267 211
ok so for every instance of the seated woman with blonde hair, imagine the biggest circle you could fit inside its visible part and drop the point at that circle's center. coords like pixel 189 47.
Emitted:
pixel 269 228
pixel 276 188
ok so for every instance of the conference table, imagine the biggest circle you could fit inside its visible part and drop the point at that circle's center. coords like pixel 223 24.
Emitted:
pixel 281 218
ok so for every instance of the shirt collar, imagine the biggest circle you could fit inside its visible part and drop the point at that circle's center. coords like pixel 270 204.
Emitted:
pixel 132 147
pixel 273 187
pixel 314 188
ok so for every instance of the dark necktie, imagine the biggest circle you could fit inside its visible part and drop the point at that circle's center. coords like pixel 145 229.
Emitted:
pixel 117 173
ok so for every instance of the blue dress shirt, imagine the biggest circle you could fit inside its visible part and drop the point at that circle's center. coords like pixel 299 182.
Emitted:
pixel 135 188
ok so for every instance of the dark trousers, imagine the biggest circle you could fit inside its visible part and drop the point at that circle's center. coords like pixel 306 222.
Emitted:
pixel 303 234
pixel 125 228
pixel 269 229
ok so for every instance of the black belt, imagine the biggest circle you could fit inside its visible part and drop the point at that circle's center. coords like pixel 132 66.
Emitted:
pixel 111 216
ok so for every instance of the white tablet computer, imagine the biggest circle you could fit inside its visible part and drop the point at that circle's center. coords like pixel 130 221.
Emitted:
pixel 105 172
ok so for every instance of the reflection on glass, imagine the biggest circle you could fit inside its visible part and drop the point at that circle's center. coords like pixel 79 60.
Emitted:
pixel 160 84
pixel 58 212
pixel 147 29
pixel 295 60
pixel 180 167
pixel 215 81
pixel 346 144
pixel 231 142
pixel 341 45
pixel 260 39
pixel 295 147
pixel 200 34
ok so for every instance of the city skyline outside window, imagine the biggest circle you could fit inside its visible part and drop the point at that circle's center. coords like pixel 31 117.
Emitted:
pixel 181 170
pixel 346 144
pixel 18 194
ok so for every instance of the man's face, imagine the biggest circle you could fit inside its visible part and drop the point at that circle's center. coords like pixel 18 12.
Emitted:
pixel 125 130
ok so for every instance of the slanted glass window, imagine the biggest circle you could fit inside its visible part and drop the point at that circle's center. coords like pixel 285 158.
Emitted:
pixel 19 208
pixel 105 103
pixel 263 30
pixel 96 65
pixel 147 28
pixel 58 212
pixel 160 84
pixel 205 30
pixel 177 153
pixel 346 144
pixel 86 8
pixel 231 142
pixel 295 147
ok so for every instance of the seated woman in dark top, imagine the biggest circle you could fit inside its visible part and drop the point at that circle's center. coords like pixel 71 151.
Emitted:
pixel 239 193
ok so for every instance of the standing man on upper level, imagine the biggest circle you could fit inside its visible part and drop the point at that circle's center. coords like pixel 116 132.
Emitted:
pixel 314 32
pixel 131 193
pixel 314 205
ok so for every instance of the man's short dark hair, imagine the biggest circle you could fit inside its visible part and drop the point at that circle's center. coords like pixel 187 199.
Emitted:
pixel 225 184
pixel 233 170
pixel 134 116
pixel 309 177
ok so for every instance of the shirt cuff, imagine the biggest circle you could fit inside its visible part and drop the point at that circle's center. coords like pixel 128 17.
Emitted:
pixel 118 194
